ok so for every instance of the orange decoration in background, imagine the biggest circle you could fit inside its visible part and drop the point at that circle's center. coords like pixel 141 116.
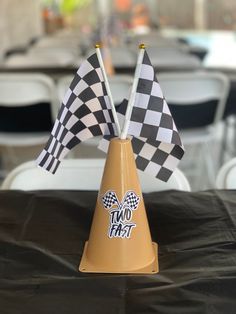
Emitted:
pixel 123 5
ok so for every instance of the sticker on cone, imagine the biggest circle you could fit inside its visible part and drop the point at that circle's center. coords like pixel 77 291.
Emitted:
pixel 121 213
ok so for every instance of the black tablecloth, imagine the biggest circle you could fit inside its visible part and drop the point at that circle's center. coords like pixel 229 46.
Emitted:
pixel 42 235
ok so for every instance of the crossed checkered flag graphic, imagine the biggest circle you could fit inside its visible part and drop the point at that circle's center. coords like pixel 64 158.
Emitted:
pixel 85 113
pixel 155 139
pixel 130 199
pixel 110 199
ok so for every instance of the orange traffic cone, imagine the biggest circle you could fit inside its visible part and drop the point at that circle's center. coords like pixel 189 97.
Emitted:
pixel 120 240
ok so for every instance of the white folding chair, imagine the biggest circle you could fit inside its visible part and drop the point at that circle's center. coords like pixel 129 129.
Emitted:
pixel 59 42
pixel 173 59
pixel 155 39
pixel 63 84
pixel 226 177
pixel 80 174
pixel 190 95
pixel 36 59
pixel 120 85
pixel 123 57
pixel 177 181
pixel 21 93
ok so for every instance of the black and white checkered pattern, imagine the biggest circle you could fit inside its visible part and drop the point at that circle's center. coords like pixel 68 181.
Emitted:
pixel 151 117
pixel 110 199
pixel 131 200
pixel 155 139
pixel 85 112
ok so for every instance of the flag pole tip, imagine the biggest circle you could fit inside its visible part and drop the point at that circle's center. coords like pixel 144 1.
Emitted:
pixel 97 45
pixel 142 46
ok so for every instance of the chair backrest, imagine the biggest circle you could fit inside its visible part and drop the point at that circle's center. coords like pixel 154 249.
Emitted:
pixel 27 90
pixel 61 56
pixel 63 84
pixel 53 41
pixel 196 98
pixel 226 177
pixel 119 84
pixel 39 60
pixel 173 59
pixel 80 174
pixel 123 56
pixel 155 39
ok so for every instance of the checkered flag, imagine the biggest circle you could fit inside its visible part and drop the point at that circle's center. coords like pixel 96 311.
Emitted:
pixel 155 139
pixel 110 199
pixel 85 112
pixel 131 200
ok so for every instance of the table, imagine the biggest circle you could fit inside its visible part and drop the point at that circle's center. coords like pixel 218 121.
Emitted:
pixel 42 234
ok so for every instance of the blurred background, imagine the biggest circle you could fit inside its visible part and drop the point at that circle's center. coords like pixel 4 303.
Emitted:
pixel 191 43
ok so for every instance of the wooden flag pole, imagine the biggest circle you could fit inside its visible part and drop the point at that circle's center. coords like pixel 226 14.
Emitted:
pixel 97 47
pixel 130 105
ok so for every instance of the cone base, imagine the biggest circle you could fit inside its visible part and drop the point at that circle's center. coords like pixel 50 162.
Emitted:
pixel 87 267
